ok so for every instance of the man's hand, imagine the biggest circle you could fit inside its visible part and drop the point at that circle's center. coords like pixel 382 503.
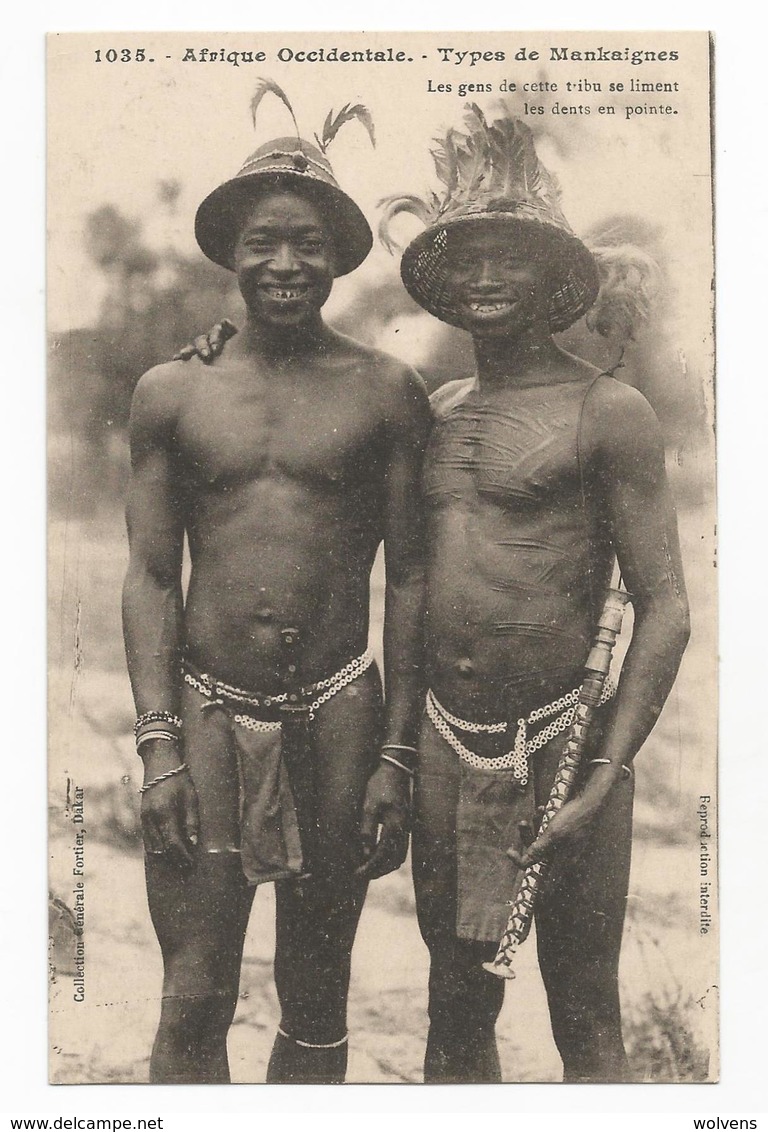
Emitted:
pixel 385 823
pixel 207 347
pixel 569 827
pixel 169 817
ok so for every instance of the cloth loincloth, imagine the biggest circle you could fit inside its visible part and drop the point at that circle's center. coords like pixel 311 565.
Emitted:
pixel 490 798
pixel 245 735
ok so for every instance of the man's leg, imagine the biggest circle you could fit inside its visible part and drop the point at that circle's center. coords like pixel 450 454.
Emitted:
pixel 200 917
pixel 317 919
pixel 579 924
pixel 316 925
pixel 464 1000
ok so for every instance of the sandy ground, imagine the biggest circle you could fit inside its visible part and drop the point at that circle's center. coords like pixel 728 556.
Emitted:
pixel 107 1037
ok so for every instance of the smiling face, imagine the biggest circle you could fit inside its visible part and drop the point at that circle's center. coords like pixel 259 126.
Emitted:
pixel 497 287
pixel 284 260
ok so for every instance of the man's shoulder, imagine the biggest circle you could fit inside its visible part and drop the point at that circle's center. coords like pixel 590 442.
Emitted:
pixel 618 402
pixel 393 378
pixel 158 391
pixel 620 420
pixel 164 377
pixel 448 396
pixel 378 362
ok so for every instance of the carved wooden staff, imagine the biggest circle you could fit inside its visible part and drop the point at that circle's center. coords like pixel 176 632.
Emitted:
pixel 596 671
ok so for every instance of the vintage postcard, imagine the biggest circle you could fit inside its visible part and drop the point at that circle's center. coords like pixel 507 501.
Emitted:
pixel 443 413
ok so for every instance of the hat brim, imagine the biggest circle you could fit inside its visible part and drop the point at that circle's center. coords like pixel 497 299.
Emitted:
pixel 218 217
pixel 576 283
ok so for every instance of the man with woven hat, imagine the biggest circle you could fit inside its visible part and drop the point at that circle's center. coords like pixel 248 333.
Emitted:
pixel 267 755
pixel 540 471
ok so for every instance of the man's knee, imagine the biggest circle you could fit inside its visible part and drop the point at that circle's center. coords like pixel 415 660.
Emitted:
pixel 435 911
pixel 580 945
pixel 316 923
pixel 202 968
pixel 200 920
pixel 461 993
pixel 197 1020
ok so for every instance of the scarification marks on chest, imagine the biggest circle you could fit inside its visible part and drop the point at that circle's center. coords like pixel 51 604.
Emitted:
pixel 519 451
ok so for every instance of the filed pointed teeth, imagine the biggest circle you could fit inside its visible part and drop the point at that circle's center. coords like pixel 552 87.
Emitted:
pixel 286 292
pixel 488 308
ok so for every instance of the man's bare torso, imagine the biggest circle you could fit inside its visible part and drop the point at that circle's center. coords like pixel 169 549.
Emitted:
pixel 516 561
pixel 280 480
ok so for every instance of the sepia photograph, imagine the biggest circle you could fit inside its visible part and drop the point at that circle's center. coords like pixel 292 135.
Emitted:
pixel 382 604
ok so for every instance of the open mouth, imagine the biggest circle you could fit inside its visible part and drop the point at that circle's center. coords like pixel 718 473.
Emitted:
pixel 489 306
pixel 286 294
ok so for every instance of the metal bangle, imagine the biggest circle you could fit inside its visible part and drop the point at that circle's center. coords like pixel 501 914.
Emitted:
pixel 400 759
pixel 163 777
pixel 165 736
pixel 156 725
pixel 313 1045
pixel 401 766
pixel 609 762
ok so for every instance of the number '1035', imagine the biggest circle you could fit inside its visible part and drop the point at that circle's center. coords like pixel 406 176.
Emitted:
pixel 124 55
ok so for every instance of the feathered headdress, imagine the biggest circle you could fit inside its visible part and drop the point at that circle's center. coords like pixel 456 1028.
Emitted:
pixel 491 171
pixel 489 168
pixel 300 164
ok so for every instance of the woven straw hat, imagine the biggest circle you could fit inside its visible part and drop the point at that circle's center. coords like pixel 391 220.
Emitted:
pixel 284 163
pixel 492 173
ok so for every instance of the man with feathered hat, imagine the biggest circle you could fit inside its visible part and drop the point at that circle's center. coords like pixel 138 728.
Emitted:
pixel 540 472
pixel 267 754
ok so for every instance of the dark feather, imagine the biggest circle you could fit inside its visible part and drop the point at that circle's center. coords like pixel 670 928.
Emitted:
pixel 433 203
pixel 473 165
pixel 348 113
pixel 446 161
pixel 268 86
pixel 513 158
pixel 474 118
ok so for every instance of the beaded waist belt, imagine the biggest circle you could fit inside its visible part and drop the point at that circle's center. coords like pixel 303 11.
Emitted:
pixel 220 694
pixel 516 760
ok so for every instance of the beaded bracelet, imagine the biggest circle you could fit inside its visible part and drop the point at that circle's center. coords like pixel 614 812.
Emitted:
pixel 609 762
pixel 156 717
pixel 163 777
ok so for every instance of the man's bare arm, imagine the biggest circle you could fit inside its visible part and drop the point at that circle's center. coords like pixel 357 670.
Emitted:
pixel 152 610
pixel 643 527
pixel 628 479
pixel 386 801
pixel 404 556
pixel 152 597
